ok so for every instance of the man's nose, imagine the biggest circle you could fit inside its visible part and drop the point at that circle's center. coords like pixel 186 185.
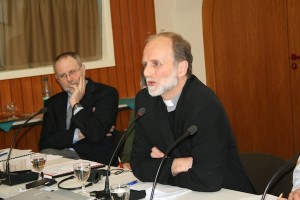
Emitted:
pixel 148 70
pixel 69 78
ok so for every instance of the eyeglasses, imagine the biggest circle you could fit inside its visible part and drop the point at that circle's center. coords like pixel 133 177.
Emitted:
pixel 70 74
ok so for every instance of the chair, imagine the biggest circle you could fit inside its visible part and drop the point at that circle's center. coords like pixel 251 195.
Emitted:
pixel 116 137
pixel 261 167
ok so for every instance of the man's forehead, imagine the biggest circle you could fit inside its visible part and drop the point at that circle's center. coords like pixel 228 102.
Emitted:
pixel 158 49
pixel 66 61
pixel 162 42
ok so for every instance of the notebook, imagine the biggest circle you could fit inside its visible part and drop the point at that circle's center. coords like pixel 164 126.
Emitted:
pixel 66 168
pixel 20 159
pixel 37 194
pixel 15 153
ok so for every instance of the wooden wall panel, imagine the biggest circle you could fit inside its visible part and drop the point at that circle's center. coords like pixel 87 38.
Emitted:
pixel 132 22
pixel 5 95
pixel 137 51
pixel 36 92
pixel 118 38
pixel 127 40
pixel 250 76
pixel 27 95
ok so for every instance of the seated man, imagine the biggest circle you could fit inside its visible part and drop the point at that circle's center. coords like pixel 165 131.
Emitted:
pixel 78 119
pixel 175 99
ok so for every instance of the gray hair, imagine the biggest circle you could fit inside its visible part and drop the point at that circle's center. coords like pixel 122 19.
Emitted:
pixel 65 55
pixel 181 48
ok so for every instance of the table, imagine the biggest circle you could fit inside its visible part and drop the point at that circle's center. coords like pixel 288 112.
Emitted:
pixel 125 177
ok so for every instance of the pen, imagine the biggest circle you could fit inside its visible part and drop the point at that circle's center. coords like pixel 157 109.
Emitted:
pixel 120 163
pixel 132 182
pixel 3 154
pixel 280 196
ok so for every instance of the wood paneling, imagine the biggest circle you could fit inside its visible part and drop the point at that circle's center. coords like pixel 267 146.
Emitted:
pixel 247 65
pixel 132 22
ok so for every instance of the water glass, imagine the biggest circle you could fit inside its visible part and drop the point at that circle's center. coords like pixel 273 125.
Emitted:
pixel 82 172
pixel 38 161
pixel 11 109
pixel 119 192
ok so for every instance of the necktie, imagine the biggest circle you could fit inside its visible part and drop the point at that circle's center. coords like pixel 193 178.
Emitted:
pixel 69 116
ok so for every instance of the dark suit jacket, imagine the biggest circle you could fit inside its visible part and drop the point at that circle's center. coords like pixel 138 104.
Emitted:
pixel 94 125
pixel 216 162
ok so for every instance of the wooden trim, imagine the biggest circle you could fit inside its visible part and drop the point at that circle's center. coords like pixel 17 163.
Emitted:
pixel 207 16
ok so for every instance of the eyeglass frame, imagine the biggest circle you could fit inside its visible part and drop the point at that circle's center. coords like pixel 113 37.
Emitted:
pixel 71 73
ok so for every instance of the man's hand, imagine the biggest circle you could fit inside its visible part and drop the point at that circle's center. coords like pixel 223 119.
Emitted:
pixel 127 166
pixel 156 153
pixel 111 130
pixel 80 135
pixel 295 195
pixel 181 165
pixel 78 91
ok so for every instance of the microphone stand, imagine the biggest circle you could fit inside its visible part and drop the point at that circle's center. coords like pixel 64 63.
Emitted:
pixel 21 177
pixel 190 131
pixel 105 194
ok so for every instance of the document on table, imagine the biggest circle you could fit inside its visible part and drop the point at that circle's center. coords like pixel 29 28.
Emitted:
pixel 258 197
pixel 15 153
pixel 38 194
pixel 161 191
pixel 66 168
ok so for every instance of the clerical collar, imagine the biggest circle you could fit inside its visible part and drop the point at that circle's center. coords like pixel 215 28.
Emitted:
pixel 172 103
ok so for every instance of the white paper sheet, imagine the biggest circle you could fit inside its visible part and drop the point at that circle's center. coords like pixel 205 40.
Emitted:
pixel 258 197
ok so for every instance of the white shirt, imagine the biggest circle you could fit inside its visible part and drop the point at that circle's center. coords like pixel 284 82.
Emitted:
pixel 76 137
pixel 296 176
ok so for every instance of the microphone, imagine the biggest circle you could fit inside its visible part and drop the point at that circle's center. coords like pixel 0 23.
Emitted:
pixel 105 194
pixel 20 176
pixel 190 131
pixel 281 170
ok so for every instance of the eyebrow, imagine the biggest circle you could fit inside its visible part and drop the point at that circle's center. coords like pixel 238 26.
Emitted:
pixel 152 61
pixel 70 70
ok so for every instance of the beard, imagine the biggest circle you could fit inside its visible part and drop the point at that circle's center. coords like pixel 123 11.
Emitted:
pixel 69 89
pixel 164 85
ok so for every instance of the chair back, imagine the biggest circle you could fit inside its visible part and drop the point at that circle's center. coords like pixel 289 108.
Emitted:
pixel 261 167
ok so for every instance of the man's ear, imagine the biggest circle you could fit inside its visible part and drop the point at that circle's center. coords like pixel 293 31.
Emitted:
pixel 82 70
pixel 182 68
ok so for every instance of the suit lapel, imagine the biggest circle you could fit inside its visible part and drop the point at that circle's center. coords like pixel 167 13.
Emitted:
pixel 61 108
pixel 90 88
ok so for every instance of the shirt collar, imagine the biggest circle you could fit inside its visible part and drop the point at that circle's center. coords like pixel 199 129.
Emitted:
pixel 172 103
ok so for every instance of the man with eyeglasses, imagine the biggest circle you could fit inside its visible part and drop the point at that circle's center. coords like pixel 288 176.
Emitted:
pixel 78 119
